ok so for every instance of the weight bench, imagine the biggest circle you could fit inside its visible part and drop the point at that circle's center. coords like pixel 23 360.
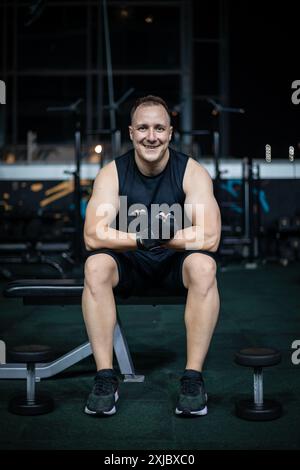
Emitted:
pixel 69 292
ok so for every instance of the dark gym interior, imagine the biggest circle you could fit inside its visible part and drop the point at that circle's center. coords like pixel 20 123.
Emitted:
pixel 70 72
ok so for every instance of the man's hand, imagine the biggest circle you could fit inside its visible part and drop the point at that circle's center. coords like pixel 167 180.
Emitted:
pixel 157 234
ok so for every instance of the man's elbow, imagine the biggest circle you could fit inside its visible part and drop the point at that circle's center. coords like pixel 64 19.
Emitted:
pixel 216 233
pixel 88 243
pixel 213 240
pixel 95 237
pixel 213 243
pixel 91 241
pixel 88 246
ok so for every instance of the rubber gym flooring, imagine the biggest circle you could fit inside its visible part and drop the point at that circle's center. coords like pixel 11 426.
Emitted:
pixel 258 308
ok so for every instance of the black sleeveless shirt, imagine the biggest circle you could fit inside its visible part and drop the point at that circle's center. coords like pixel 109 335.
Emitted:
pixel 165 187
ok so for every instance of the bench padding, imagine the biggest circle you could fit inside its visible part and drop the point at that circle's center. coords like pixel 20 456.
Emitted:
pixel 66 291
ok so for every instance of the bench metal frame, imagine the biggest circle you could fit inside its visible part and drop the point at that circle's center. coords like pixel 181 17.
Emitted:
pixel 121 349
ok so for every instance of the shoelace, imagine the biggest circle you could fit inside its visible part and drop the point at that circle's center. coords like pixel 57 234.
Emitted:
pixel 190 386
pixel 104 385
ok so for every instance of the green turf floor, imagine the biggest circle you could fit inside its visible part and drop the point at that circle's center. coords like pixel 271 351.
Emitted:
pixel 258 308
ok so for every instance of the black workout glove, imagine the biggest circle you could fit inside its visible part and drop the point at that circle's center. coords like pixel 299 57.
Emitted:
pixel 164 230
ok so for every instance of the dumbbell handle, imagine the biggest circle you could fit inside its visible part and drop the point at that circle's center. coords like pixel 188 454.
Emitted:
pixel 30 382
pixel 258 386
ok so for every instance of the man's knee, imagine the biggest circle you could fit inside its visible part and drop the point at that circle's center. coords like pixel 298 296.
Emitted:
pixel 100 269
pixel 199 270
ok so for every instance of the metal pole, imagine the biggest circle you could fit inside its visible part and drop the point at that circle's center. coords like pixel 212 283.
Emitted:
pixel 186 57
pixel 15 84
pixel 257 213
pixel 216 144
pixel 30 382
pixel 3 109
pixel 118 142
pixel 111 99
pixel 100 71
pixel 224 76
pixel 77 197
pixel 89 78
pixel 250 210
pixel 258 386
pixel 246 198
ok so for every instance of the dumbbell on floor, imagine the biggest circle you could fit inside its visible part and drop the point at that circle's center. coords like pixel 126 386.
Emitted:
pixel 258 409
pixel 31 404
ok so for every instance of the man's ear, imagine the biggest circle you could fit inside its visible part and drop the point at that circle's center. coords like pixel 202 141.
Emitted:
pixel 130 132
pixel 171 133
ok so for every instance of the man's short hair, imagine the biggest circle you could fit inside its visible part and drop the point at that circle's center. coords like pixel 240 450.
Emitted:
pixel 149 100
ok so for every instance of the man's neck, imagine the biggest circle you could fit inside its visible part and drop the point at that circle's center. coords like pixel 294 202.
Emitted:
pixel 152 168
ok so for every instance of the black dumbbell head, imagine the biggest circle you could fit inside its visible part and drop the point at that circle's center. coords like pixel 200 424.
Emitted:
pixel 257 357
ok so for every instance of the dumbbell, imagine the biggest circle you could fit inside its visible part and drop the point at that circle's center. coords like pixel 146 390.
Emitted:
pixel 258 409
pixel 30 404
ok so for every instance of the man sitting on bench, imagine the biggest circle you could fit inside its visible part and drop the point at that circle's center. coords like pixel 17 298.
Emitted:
pixel 152 220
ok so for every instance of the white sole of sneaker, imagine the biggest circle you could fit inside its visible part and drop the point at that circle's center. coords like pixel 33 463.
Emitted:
pixel 108 413
pixel 202 412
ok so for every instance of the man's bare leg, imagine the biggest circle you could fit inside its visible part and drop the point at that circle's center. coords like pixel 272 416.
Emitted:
pixel 202 307
pixel 99 308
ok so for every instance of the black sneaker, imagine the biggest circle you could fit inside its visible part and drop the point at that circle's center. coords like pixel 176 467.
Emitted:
pixel 192 398
pixel 102 399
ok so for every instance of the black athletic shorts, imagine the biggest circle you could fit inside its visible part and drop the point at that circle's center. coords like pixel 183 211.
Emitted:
pixel 142 270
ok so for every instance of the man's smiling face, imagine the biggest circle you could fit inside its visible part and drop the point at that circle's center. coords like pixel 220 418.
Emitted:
pixel 150 132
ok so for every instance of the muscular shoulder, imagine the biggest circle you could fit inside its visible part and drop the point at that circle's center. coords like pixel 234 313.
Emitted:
pixel 107 177
pixel 196 176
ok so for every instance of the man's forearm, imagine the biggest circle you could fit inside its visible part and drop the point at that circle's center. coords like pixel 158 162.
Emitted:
pixel 190 238
pixel 193 238
pixel 112 239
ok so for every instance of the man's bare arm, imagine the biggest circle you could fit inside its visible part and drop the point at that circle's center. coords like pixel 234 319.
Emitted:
pixel 202 209
pixel 101 211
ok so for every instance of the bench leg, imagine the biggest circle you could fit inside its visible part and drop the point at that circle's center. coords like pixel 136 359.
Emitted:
pixel 124 358
pixel 18 371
